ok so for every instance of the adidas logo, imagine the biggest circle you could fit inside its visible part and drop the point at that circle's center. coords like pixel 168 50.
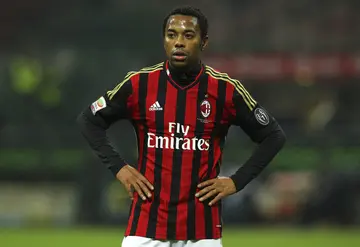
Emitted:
pixel 155 107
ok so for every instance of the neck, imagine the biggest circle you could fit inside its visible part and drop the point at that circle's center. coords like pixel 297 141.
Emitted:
pixel 185 75
pixel 189 70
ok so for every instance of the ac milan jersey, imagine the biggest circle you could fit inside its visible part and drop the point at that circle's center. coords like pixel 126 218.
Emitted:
pixel 180 133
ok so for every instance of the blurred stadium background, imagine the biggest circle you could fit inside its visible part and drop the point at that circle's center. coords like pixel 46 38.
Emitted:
pixel 300 59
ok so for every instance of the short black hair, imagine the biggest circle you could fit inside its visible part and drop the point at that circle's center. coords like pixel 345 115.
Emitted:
pixel 190 11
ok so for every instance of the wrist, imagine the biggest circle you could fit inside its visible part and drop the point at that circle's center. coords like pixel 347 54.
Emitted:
pixel 237 182
pixel 116 168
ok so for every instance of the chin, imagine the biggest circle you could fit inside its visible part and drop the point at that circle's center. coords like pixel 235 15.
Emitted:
pixel 179 64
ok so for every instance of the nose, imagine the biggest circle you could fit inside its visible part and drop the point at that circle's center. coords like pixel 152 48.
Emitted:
pixel 180 42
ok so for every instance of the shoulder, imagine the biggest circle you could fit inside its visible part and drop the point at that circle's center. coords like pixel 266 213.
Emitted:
pixel 237 87
pixel 146 70
pixel 125 83
pixel 221 76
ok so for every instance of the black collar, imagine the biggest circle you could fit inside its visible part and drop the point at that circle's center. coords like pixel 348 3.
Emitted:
pixel 185 76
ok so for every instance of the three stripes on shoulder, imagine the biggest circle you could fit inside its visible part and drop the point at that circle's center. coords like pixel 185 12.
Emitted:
pixel 250 102
pixel 130 74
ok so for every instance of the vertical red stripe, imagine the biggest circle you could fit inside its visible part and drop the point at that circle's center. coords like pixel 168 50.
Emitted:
pixel 187 161
pixel 135 115
pixel 135 97
pixel 210 124
pixel 212 97
pixel 199 220
pixel 213 92
pixel 151 98
pixel 229 111
pixel 215 208
pixel 200 207
pixel 204 166
pixel 166 169
pixel 209 128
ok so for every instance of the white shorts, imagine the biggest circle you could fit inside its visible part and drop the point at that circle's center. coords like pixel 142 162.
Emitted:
pixel 134 241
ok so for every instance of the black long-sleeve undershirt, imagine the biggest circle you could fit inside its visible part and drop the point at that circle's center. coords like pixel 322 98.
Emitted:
pixel 260 158
pixel 94 129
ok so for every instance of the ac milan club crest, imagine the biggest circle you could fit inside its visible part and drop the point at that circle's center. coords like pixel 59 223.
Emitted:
pixel 205 108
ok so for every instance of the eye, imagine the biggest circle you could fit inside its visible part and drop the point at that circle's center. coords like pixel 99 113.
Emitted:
pixel 170 35
pixel 189 36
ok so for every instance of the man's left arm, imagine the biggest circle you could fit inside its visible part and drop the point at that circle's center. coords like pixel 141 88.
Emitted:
pixel 263 129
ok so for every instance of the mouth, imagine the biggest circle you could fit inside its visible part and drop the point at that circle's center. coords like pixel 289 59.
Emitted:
pixel 179 55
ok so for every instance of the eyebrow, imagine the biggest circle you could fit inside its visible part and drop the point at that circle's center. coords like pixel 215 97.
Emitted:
pixel 186 30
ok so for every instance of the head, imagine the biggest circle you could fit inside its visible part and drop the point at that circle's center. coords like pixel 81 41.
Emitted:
pixel 185 32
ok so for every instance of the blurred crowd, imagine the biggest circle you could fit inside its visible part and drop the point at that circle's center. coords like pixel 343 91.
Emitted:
pixel 244 26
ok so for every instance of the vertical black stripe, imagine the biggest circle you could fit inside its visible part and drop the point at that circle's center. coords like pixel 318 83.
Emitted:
pixel 159 123
pixel 135 126
pixel 176 167
pixel 199 129
pixel 220 103
pixel 142 108
pixel 137 133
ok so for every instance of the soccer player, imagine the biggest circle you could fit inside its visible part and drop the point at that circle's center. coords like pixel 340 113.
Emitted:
pixel 181 110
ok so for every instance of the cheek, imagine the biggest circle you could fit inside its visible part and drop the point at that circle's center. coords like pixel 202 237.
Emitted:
pixel 167 46
pixel 169 42
pixel 195 48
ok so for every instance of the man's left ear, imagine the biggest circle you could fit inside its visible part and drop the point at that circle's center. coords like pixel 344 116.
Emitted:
pixel 204 42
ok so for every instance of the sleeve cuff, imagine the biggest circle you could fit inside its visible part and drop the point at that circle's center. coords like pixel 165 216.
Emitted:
pixel 239 182
pixel 116 168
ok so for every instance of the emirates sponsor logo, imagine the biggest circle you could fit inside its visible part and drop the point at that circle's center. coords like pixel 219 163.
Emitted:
pixel 174 142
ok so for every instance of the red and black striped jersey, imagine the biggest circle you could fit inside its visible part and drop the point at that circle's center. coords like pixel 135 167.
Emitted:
pixel 181 131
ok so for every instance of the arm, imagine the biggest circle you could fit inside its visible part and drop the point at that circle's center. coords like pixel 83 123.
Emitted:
pixel 94 121
pixel 264 130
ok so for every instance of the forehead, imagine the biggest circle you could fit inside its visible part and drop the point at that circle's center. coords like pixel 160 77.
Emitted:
pixel 183 21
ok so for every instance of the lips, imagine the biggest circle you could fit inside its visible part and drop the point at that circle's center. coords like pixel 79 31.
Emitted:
pixel 179 55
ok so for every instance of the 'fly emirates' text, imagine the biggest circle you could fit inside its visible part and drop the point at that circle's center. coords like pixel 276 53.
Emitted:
pixel 174 142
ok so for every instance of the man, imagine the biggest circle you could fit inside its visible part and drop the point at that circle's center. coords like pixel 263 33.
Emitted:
pixel 181 111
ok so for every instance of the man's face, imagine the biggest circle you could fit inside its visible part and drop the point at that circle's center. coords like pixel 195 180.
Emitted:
pixel 182 41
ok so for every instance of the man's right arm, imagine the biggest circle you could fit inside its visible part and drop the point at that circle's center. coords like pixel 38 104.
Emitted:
pixel 95 119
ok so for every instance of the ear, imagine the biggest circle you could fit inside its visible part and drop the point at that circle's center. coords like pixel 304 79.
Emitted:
pixel 204 42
